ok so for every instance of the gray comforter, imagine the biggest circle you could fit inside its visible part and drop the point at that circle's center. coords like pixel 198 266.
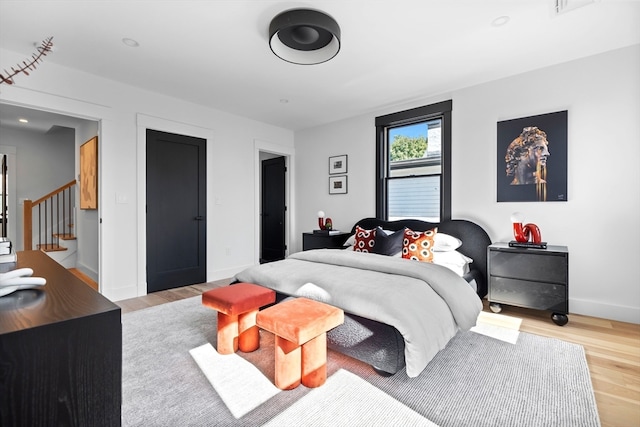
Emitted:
pixel 425 302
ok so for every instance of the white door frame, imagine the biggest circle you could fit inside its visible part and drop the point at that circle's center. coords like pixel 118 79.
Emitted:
pixel 288 153
pixel 144 122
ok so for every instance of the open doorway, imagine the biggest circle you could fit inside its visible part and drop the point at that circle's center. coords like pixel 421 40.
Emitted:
pixel 273 208
pixel 283 181
pixel 43 154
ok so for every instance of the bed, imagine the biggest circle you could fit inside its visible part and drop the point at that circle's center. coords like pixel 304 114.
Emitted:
pixel 398 313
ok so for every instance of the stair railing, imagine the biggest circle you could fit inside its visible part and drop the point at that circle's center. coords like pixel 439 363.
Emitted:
pixel 53 217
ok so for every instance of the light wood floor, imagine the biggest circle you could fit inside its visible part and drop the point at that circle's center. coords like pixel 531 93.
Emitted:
pixel 612 350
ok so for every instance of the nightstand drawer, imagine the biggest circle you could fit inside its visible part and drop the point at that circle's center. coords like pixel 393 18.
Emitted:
pixel 323 241
pixel 521 265
pixel 523 293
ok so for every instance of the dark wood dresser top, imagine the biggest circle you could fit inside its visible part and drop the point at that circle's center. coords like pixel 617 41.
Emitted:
pixel 64 297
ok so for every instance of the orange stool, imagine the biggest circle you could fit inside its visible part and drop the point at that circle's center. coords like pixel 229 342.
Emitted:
pixel 300 326
pixel 237 307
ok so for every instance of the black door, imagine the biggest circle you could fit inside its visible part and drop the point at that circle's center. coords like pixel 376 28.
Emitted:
pixel 4 208
pixel 176 210
pixel 273 209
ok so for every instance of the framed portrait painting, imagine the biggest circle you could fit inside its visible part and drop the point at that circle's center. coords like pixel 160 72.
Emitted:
pixel 532 159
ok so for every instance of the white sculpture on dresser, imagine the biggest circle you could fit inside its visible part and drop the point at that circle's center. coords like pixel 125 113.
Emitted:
pixel 16 280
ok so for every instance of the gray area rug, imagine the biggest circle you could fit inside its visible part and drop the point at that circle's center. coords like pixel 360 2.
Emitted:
pixel 475 381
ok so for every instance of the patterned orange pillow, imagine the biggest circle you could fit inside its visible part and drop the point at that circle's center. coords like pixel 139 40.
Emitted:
pixel 418 245
pixel 365 239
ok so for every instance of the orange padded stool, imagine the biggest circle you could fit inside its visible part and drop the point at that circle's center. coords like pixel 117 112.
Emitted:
pixel 300 326
pixel 237 307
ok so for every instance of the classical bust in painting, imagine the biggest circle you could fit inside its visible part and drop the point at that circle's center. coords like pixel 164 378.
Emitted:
pixel 526 157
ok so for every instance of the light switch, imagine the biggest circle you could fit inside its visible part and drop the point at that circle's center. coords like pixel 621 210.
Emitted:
pixel 121 198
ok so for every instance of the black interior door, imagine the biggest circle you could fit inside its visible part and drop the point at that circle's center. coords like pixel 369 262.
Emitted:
pixel 4 208
pixel 273 210
pixel 176 210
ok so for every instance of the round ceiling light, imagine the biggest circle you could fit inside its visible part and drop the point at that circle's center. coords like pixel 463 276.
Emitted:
pixel 304 36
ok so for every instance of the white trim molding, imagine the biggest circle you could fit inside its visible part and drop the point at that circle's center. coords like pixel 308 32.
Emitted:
pixel 144 122
pixel 289 154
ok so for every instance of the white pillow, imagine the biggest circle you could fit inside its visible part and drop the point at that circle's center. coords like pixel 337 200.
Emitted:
pixel 350 241
pixel 453 260
pixel 445 243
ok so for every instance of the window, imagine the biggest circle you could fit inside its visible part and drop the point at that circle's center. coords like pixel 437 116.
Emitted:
pixel 414 164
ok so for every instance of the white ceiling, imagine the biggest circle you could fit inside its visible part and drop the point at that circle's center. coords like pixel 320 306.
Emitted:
pixel 39 121
pixel 215 53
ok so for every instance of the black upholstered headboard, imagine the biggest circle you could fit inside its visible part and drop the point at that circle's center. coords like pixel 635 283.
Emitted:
pixel 474 241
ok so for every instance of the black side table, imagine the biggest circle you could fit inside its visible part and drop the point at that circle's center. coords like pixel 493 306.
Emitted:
pixel 323 240
pixel 530 278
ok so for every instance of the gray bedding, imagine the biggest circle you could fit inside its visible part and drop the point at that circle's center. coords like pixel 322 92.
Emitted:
pixel 425 302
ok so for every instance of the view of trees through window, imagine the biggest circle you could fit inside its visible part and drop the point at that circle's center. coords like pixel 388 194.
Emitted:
pixel 404 147
pixel 414 171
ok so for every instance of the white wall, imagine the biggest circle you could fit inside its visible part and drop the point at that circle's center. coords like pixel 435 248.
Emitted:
pixel 119 108
pixel 44 162
pixel 357 139
pixel 87 227
pixel 599 222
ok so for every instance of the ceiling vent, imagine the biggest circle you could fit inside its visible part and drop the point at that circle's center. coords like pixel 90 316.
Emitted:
pixel 564 6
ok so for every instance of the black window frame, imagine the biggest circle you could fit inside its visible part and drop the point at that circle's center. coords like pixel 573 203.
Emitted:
pixel 441 110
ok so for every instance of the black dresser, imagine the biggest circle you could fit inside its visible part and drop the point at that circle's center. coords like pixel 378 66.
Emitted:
pixel 531 278
pixel 60 352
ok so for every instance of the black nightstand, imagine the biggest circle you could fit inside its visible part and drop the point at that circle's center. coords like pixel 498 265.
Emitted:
pixel 323 241
pixel 530 278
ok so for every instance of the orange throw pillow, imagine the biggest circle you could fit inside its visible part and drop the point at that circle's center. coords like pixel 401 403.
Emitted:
pixel 418 245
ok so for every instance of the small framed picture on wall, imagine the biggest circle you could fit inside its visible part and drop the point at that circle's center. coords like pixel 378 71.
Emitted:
pixel 338 164
pixel 338 184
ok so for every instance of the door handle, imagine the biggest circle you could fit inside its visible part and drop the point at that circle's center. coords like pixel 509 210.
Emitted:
pixel 199 218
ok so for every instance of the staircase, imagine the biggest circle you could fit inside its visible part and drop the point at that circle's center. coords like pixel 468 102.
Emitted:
pixel 63 249
pixel 48 225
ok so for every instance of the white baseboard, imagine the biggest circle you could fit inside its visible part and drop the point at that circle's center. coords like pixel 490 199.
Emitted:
pixel 132 291
pixel 119 294
pixel 606 311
